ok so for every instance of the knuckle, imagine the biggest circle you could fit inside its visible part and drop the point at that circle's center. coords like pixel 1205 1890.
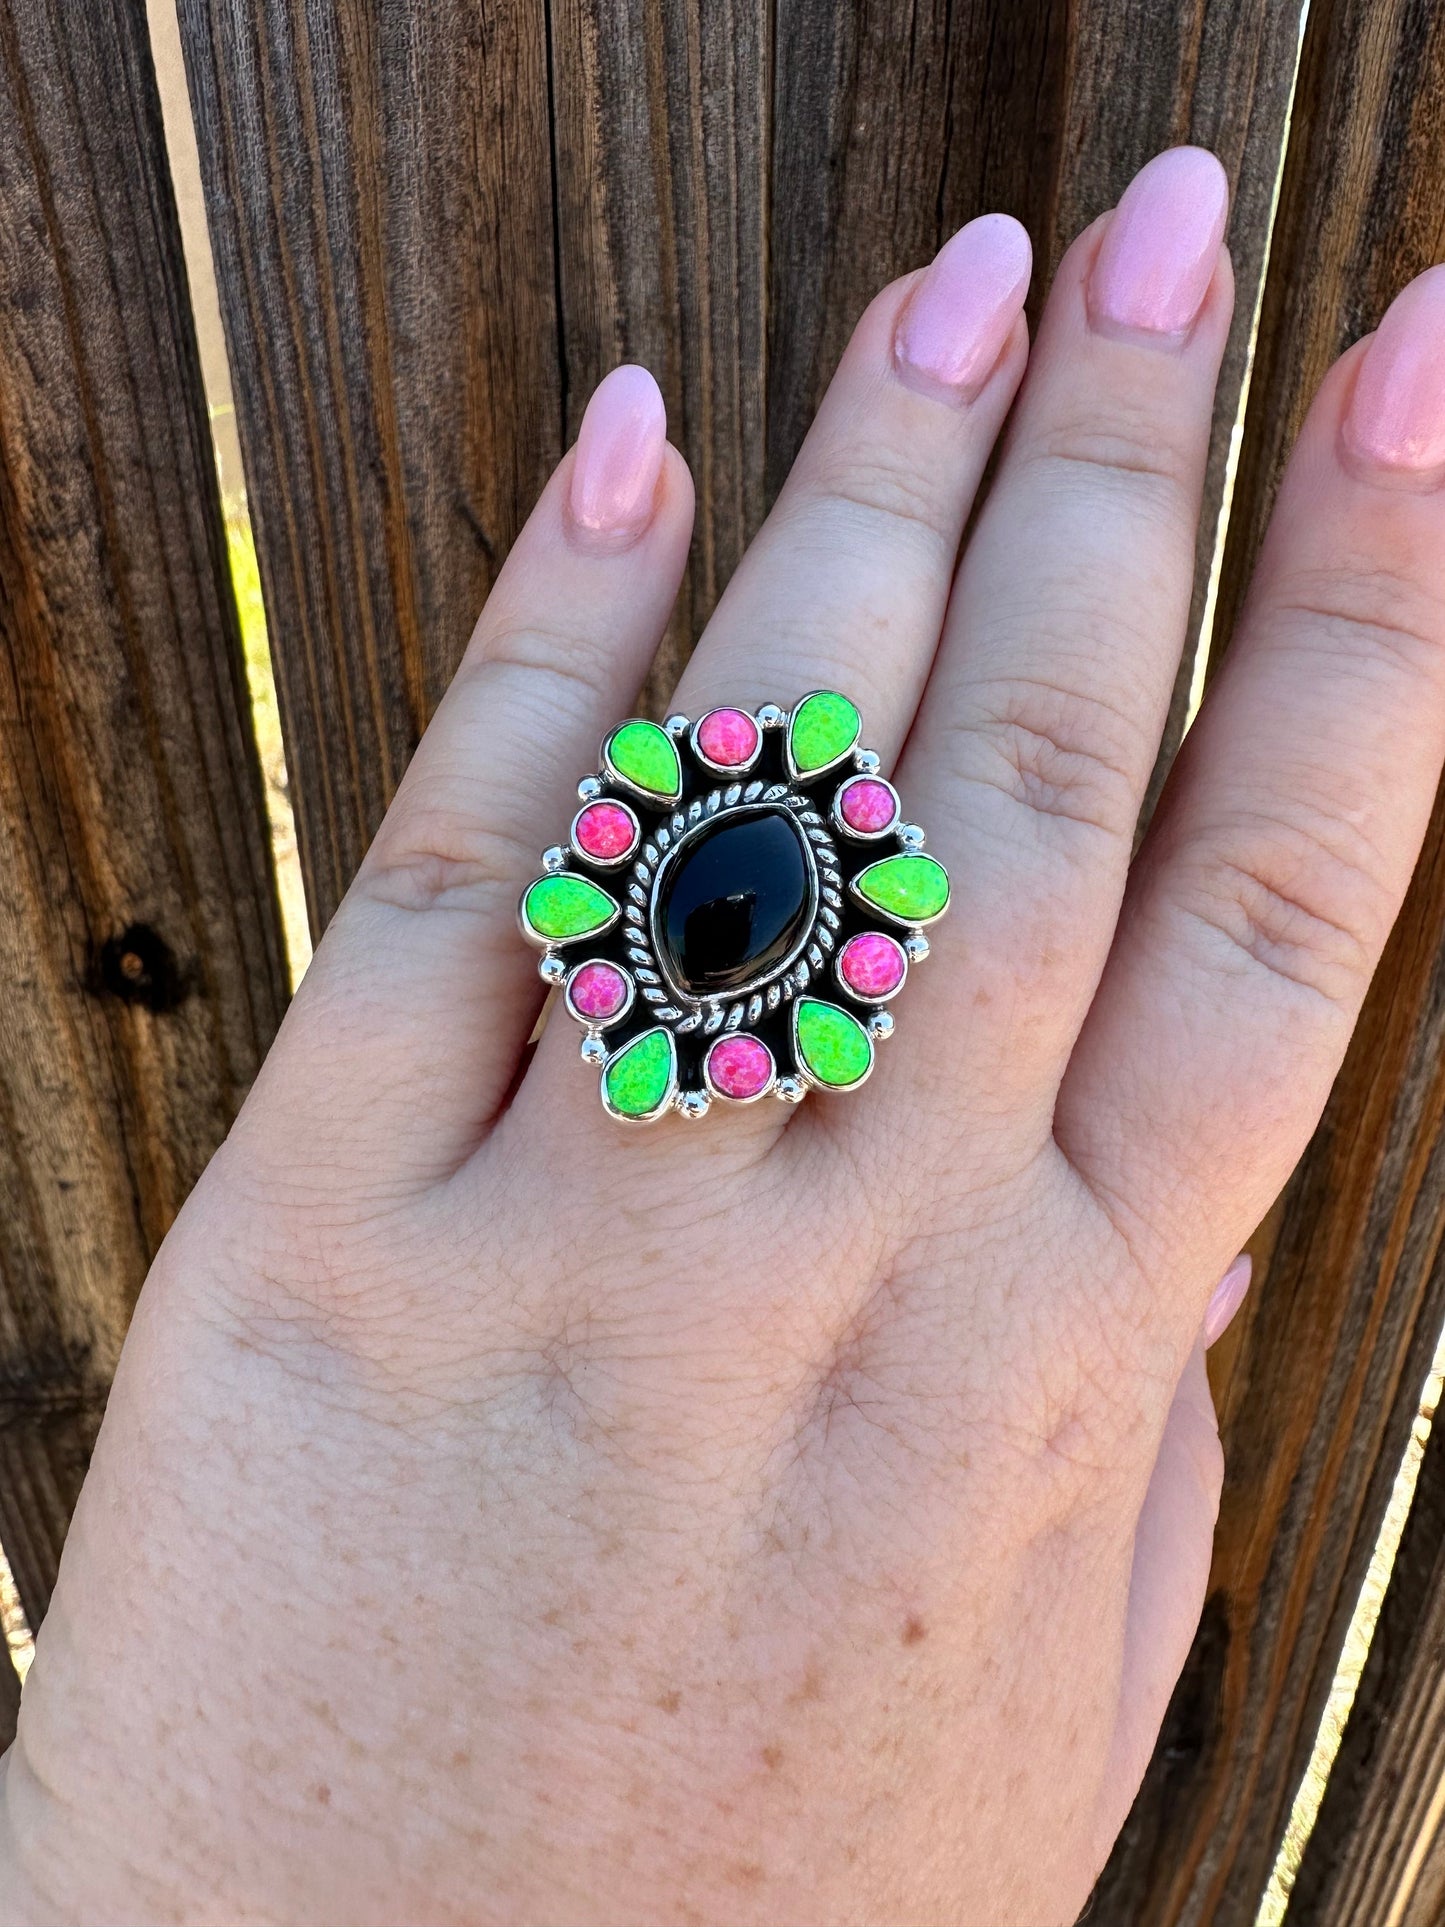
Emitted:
pixel 1366 616
pixel 1055 752
pixel 883 486
pixel 1299 901
pixel 428 856
pixel 1131 452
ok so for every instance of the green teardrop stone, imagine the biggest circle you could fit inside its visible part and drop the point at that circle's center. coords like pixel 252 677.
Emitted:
pixel 833 1047
pixel 912 888
pixel 646 757
pixel 824 729
pixel 560 908
pixel 637 1081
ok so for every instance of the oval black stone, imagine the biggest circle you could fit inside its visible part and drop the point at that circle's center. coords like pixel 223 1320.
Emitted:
pixel 735 903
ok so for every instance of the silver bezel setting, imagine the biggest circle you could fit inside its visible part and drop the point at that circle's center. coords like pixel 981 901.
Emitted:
pixel 599 1023
pixel 733 771
pixel 845 828
pixel 870 998
pixel 605 862
pixel 810 1078
pixel 726 1097
pixel 669 1096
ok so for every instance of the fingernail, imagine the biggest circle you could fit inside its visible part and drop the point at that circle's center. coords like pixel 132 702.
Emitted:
pixel 1227 1299
pixel 619 453
pixel 1396 415
pixel 961 313
pixel 1161 246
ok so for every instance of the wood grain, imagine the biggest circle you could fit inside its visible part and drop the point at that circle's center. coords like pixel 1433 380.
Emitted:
pixel 1376 1857
pixel 1330 1363
pixel 139 941
pixel 436 230
pixel 379 186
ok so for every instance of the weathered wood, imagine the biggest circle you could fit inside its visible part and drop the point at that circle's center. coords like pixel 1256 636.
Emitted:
pixel 435 233
pixel 660 136
pixel 139 942
pixel 9 1701
pixel 1341 1330
pixel 379 186
pixel 1376 1857
pixel 893 124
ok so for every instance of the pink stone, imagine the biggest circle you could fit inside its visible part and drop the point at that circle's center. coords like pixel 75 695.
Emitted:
pixel 739 1067
pixel 597 991
pixel 605 831
pixel 728 737
pixel 872 964
pixel 867 805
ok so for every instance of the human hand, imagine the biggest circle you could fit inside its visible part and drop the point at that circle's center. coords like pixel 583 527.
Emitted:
pixel 503 1515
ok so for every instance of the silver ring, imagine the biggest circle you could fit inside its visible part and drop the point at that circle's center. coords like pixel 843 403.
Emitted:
pixel 737 901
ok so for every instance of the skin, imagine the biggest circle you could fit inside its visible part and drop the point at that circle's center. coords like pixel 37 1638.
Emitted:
pixel 502 1516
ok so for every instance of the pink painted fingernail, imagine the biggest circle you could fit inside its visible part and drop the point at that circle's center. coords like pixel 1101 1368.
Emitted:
pixel 1227 1299
pixel 1161 246
pixel 619 454
pixel 1397 413
pixel 961 313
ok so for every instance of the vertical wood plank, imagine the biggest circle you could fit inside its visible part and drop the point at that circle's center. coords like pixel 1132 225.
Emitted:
pixel 1377 1852
pixel 379 186
pixel 140 945
pixel 436 229
pixel 895 123
pixel 1342 1327
pixel 661 128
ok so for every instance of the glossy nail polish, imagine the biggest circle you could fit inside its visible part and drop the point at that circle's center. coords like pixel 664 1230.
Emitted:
pixel 1161 246
pixel 1227 1299
pixel 619 454
pixel 961 313
pixel 1396 417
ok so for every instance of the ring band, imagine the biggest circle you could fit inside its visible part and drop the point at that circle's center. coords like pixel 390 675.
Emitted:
pixel 737 902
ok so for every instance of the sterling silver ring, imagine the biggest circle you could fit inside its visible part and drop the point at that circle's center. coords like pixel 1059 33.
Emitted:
pixel 736 904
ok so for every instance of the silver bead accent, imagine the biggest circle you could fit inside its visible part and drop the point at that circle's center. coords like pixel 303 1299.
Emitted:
pixel 693 1104
pixel 770 717
pixel 554 859
pixel 910 836
pixel 551 969
pixel 590 788
pixel 677 725
pixel 594 1051
pixel 915 944
pixel 880 1025
pixel 867 762
pixel 792 1090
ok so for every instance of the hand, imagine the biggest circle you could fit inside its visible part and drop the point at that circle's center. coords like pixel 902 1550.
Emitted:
pixel 504 1515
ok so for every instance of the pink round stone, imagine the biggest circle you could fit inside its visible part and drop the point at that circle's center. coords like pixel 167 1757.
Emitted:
pixel 867 805
pixel 739 1067
pixel 605 831
pixel 728 737
pixel 872 964
pixel 598 991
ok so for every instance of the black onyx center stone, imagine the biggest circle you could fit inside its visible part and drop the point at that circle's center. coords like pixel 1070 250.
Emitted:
pixel 734 903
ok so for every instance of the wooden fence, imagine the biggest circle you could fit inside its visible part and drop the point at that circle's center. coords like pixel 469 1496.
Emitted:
pixel 436 224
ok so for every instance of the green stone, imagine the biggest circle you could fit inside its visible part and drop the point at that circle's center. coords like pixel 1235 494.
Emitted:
pixel 560 908
pixel 913 889
pixel 638 1080
pixel 833 1047
pixel 646 757
pixel 825 728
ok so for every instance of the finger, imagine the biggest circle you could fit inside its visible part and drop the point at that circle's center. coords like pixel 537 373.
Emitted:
pixel 1042 719
pixel 1283 847
pixel 846 583
pixel 407 1029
